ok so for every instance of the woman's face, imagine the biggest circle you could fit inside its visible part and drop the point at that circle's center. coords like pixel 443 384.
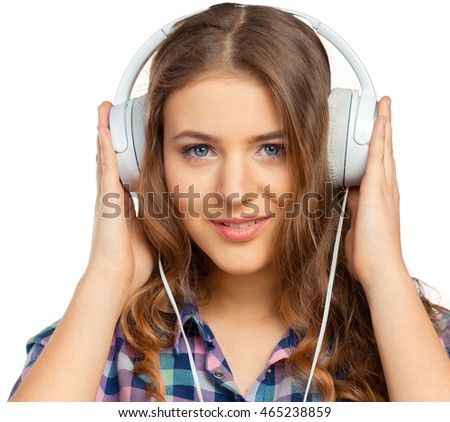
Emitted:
pixel 225 166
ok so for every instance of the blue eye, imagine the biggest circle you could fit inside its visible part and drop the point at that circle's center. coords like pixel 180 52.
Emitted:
pixel 271 149
pixel 200 150
pixel 197 151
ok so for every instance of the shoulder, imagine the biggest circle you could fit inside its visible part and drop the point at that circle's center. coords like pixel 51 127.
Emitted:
pixel 118 381
pixel 36 343
pixel 34 347
pixel 442 326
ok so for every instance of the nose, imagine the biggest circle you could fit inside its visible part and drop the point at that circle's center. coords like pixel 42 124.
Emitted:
pixel 237 183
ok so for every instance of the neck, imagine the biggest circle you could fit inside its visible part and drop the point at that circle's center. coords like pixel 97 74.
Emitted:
pixel 243 297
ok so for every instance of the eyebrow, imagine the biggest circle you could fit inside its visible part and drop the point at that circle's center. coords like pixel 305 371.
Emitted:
pixel 269 136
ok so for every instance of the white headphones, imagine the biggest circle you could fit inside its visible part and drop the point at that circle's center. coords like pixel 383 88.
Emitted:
pixel 352 115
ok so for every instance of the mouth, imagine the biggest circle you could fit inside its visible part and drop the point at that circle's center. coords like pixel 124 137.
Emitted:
pixel 240 226
pixel 240 230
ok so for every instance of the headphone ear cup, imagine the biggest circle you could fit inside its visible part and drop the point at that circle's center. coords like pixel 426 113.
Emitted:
pixel 127 125
pixel 339 105
pixel 138 127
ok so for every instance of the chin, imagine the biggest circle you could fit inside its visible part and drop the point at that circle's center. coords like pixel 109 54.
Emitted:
pixel 242 265
pixel 235 258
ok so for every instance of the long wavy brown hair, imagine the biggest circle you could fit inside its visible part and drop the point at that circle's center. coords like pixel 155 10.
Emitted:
pixel 287 56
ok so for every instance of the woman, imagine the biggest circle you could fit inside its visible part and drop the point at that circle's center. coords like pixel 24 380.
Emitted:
pixel 237 135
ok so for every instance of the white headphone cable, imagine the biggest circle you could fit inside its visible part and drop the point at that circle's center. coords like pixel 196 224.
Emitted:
pixel 189 351
pixel 328 297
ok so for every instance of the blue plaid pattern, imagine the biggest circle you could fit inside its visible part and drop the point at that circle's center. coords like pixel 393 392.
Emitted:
pixel 119 383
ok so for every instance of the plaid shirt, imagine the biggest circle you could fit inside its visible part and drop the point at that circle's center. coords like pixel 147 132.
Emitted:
pixel 119 383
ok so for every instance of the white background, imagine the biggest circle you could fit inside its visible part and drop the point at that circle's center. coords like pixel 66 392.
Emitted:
pixel 60 60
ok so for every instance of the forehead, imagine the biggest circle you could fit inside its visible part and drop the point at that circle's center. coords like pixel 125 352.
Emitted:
pixel 222 105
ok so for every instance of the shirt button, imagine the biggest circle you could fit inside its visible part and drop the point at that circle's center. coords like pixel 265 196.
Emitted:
pixel 218 374
pixel 268 372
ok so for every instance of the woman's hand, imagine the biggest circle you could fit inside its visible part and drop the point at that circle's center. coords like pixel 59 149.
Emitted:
pixel 372 244
pixel 119 263
pixel 415 365
pixel 119 250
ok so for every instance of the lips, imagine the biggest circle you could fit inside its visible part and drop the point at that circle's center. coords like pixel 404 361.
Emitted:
pixel 240 229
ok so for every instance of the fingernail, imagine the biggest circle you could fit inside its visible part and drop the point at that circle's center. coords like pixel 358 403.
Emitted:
pixel 389 102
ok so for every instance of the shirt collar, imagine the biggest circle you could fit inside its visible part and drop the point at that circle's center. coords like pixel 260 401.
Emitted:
pixel 192 323
pixel 285 347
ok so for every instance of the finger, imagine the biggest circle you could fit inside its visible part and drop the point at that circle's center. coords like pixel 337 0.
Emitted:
pixel 98 160
pixel 389 161
pixel 110 180
pixel 103 113
pixel 384 109
pixel 375 160
pixel 378 144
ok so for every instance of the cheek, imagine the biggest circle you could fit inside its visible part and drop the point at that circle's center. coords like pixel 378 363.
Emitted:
pixel 282 187
pixel 282 195
pixel 185 190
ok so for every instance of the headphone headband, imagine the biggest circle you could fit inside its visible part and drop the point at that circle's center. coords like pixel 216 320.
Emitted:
pixel 141 57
